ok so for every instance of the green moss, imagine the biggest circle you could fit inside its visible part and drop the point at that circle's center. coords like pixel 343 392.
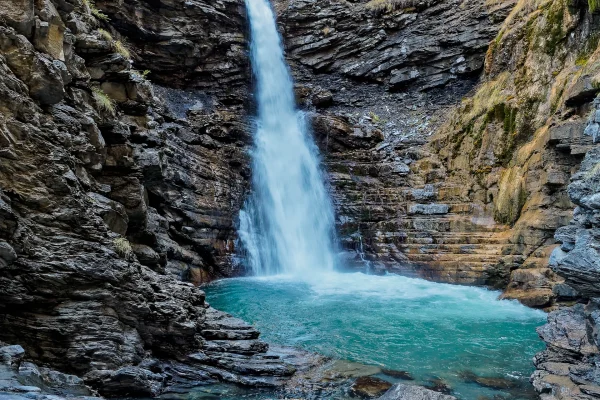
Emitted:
pixel 512 214
pixel 95 11
pixel 591 44
pixel 593 5
pixel 555 33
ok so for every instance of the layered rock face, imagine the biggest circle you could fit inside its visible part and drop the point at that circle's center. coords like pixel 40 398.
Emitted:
pixel 380 79
pixel 568 368
pixel 468 194
pixel 112 189
pixel 507 154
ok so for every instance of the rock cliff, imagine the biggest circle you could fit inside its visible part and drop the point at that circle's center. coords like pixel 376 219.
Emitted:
pixel 568 368
pixel 466 191
pixel 380 78
pixel 122 166
pixel 507 154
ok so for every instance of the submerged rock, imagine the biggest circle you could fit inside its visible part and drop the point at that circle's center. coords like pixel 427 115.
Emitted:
pixel 368 387
pixel 348 369
pixel 439 385
pixel 398 374
pixel 495 382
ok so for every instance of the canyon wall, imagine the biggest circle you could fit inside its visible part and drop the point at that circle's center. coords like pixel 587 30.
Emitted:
pixel 380 80
pixel 465 191
pixel 117 184
pixel 124 133
pixel 568 367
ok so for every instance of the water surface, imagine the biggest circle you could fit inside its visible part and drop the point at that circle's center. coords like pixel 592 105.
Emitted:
pixel 428 329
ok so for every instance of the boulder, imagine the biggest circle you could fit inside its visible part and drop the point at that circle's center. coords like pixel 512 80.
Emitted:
pixel 18 14
pixel 410 392
pixel 368 387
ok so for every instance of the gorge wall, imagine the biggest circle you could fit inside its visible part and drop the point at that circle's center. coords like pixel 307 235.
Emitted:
pixel 568 367
pixel 469 193
pixel 380 80
pixel 115 190
pixel 124 133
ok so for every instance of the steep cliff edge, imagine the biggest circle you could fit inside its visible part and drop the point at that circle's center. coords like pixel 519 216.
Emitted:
pixel 568 368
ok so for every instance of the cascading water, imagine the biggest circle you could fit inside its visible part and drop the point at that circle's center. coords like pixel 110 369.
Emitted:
pixel 287 224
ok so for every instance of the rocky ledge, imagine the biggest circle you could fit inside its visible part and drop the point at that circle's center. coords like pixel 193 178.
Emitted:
pixel 230 353
pixel 569 368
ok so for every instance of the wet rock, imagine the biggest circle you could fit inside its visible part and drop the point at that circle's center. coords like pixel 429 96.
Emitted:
pixel 7 253
pixel 12 355
pixel 398 374
pixel 409 392
pixel 132 381
pixel 368 387
pixel 26 380
pixel 322 99
pixel 429 209
pixel 498 382
pixel 347 369
pixel 439 385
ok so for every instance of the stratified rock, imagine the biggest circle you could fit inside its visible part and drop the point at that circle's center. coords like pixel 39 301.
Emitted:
pixel 410 392
pixel 569 364
pixel 425 46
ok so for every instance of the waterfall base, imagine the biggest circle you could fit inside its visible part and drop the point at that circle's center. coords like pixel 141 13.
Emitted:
pixel 450 338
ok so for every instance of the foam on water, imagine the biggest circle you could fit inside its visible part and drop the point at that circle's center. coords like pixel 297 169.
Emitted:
pixel 429 329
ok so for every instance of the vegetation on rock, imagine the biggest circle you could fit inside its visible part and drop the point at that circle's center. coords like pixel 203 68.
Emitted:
pixel 103 101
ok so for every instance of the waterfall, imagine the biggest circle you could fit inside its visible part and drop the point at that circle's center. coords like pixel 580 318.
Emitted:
pixel 287 224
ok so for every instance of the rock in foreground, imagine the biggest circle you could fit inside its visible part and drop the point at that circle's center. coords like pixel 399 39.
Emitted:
pixel 409 392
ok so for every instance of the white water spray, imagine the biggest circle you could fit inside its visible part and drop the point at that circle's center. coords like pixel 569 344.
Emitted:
pixel 287 225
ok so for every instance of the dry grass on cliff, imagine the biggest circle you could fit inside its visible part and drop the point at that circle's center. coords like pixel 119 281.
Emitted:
pixel 104 34
pixel 123 247
pixel 102 100
pixel 122 49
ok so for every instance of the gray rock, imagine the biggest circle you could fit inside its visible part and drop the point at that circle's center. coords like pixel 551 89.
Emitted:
pixel 410 392
pixel 557 255
pixel 7 253
pixel 428 192
pixel 12 355
pixel 570 362
pixel 429 209
pixel 565 292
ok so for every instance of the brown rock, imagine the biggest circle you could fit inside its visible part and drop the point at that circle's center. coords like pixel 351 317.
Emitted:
pixel 368 387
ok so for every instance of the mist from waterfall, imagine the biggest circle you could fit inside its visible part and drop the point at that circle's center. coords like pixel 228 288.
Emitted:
pixel 287 224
